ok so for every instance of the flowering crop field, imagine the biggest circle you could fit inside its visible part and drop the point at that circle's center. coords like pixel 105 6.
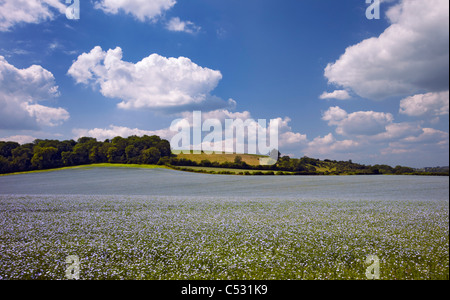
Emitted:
pixel 175 237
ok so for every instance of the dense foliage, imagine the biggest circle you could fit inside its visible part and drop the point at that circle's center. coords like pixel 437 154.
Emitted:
pixel 48 154
pixel 306 166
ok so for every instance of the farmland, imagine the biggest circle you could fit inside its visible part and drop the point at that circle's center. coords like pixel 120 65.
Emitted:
pixel 310 228
pixel 214 238
pixel 250 159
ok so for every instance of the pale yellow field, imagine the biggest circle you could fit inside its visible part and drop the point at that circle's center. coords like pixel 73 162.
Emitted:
pixel 250 159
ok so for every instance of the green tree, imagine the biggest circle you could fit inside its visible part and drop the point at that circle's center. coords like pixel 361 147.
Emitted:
pixel 95 155
pixel 206 163
pixel 132 154
pixel 21 158
pixel 113 154
pixel 82 151
pixel 150 156
pixel 4 165
pixel 68 159
pixel 164 148
pixel 6 148
pixel 45 158
pixel 119 153
pixel 284 163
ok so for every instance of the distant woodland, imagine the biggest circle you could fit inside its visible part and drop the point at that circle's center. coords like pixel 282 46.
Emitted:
pixel 152 150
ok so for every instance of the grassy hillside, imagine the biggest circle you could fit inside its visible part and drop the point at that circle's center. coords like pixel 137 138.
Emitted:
pixel 105 165
pixel 250 159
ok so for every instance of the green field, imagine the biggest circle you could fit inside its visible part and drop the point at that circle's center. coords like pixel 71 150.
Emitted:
pixel 105 165
pixel 250 159
pixel 212 170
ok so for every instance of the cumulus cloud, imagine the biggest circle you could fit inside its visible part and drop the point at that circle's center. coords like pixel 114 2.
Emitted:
pixel 334 115
pixel 357 123
pixel 143 10
pixel 21 139
pixel 20 90
pixel 113 131
pixel 431 146
pixel 432 104
pixel 411 55
pixel 374 136
pixel 157 82
pixel 429 135
pixel 288 139
pixel 253 130
pixel 47 116
pixel 175 24
pixel 397 131
pixel 14 12
pixel 329 147
pixel 338 94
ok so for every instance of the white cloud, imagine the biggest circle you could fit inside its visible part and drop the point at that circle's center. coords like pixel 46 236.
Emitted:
pixel 432 104
pixel 21 139
pixel 322 141
pixel 148 10
pixel 400 143
pixel 287 138
pixel 429 135
pixel 113 131
pixel 373 136
pixel 338 94
pixel 334 115
pixel 357 123
pixel 397 131
pixel 14 12
pixel 20 90
pixel 429 148
pixel 411 55
pixel 47 116
pixel 174 84
pixel 219 114
pixel 143 10
pixel 329 147
pixel 175 24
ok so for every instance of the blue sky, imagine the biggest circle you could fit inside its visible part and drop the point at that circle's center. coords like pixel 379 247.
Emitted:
pixel 343 86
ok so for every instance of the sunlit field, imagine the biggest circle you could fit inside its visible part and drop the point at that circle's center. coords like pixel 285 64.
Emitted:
pixel 185 237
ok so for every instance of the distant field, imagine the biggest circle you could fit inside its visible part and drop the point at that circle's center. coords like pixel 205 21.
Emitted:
pixel 106 165
pixel 217 170
pixel 250 159
pixel 233 171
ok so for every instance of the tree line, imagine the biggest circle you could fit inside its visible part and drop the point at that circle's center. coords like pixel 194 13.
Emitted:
pixel 302 166
pixel 49 154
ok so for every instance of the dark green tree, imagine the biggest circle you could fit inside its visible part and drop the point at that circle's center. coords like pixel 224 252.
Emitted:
pixel 45 158
pixel 150 156
pixel 6 148
pixel 5 166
